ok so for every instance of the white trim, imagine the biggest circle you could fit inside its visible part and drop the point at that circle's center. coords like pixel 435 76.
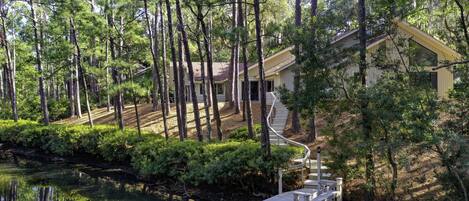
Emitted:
pixel 439 44
pixel 269 58
pixel 377 42
pixel 344 36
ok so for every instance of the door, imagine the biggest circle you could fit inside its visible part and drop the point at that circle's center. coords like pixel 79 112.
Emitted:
pixel 254 90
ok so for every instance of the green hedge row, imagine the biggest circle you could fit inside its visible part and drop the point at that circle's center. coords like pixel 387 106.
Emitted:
pixel 230 162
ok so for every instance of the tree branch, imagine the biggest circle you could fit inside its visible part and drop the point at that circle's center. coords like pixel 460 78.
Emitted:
pixel 451 64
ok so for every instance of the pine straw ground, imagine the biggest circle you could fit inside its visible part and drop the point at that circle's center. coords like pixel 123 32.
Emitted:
pixel 153 121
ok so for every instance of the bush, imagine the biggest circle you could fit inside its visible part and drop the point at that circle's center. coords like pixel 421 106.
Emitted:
pixel 118 145
pixel 231 162
pixel 241 133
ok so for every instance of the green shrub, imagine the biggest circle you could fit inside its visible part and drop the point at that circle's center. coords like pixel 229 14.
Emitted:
pixel 241 133
pixel 160 158
pixel 118 145
pixel 230 162
pixel 236 163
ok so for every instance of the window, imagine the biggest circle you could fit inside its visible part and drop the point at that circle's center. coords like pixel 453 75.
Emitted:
pixel 421 56
pixel 269 85
pixel 219 88
pixel 425 79
pixel 381 55
pixel 201 86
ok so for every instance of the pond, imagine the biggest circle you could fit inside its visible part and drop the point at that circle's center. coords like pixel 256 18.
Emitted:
pixel 29 180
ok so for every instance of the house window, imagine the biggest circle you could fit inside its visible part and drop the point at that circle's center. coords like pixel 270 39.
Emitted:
pixel 425 79
pixel 219 88
pixel 421 56
pixel 380 56
pixel 269 85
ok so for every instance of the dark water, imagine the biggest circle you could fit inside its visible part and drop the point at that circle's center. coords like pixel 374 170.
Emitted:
pixel 26 180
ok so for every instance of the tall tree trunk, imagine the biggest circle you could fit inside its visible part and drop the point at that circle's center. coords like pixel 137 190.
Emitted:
pixel 175 71
pixel 155 56
pixel 10 68
pixel 296 80
pixel 82 71
pixel 246 90
pixel 71 96
pixel 195 104
pixel 164 61
pixel 369 171
pixel 204 92
pixel 463 21
pixel 118 103
pixel 45 110
pixel 208 52
pixel 235 61
pixel 121 53
pixel 76 83
pixel 135 101
pixel 312 135
pixel 265 141
pixel 393 163
pixel 154 43
pixel 1 85
pixel 230 95
pixel 182 87
pixel 108 96
pixel 76 78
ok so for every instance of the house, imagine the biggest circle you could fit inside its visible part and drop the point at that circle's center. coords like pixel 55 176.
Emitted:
pixel 220 77
pixel 428 52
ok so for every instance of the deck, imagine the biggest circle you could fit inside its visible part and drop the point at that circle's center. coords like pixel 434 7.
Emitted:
pixel 288 196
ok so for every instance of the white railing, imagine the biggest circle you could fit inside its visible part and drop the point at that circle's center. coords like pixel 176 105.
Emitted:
pixel 307 151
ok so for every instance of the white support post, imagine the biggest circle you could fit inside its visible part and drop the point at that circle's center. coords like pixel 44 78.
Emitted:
pixel 318 158
pixel 280 188
pixel 339 188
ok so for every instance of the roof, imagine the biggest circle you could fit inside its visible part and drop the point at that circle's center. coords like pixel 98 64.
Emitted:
pixel 437 44
pixel 221 70
pixel 268 58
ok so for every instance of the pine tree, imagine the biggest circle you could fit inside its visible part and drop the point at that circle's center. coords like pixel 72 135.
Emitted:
pixel 195 104
pixel 247 110
pixel 175 71
pixel 369 167
pixel 265 141
pixel 42 93
pixel 155 57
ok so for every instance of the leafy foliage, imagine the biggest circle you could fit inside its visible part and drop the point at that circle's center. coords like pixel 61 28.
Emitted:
pixel 232 162
pixel 241 133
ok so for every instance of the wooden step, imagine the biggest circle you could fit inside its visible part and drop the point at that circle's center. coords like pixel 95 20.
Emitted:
pixel 314 169
pixel 324 175
pixel 313 183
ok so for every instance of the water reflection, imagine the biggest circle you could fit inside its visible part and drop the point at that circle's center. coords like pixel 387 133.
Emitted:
pixel 25 180
pixel 9 194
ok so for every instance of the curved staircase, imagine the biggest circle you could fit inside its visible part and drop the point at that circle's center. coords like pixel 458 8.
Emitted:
pixel 316 171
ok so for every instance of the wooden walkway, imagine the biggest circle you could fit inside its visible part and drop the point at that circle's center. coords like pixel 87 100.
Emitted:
pixel 288 196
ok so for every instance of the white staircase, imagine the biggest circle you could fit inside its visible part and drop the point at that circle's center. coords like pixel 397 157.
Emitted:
pixel 317 172
pixel 278 124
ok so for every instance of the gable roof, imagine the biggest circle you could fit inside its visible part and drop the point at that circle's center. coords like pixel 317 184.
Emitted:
pixel 435 44
pixel 267 59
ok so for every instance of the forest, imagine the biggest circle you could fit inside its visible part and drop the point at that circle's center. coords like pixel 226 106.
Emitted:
pixel 235 99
